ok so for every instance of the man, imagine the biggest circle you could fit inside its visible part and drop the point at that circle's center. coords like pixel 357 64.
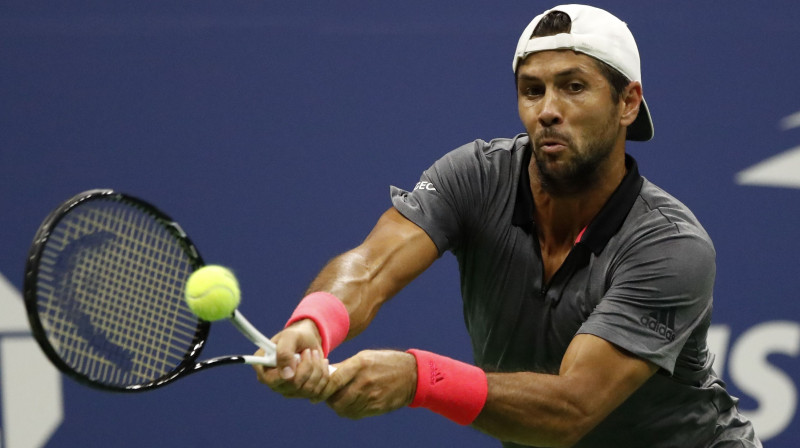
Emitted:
pixel 587 289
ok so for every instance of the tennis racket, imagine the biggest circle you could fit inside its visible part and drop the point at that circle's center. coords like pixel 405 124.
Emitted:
pixel 104 287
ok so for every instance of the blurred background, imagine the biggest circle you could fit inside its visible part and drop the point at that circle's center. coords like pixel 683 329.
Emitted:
pixel 273 130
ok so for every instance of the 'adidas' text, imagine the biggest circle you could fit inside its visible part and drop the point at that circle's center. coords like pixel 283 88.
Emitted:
pixel 661 322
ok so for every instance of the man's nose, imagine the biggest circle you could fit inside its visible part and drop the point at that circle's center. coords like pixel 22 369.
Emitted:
pixel 550 110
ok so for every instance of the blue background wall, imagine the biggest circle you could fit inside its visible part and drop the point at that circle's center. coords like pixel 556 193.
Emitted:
pixel 272 131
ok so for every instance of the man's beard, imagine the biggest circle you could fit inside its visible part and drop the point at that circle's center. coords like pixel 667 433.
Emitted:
pixel 580 173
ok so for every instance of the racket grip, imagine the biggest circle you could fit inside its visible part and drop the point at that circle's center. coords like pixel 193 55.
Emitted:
pixel 269 361
pixel 331 368
pixel 251 332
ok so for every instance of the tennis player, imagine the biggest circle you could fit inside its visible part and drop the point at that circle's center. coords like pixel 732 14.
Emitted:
pixel 587 290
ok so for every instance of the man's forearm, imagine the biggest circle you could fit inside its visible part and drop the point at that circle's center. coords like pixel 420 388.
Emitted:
pixel 349 277
pixel 533 409
pixel 395 252
pixel 558 410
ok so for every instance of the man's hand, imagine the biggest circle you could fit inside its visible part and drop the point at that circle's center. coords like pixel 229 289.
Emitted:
pixel 372 383
pixel 293 379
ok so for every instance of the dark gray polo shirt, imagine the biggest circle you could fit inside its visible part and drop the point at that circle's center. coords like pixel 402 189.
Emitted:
pixel 640 276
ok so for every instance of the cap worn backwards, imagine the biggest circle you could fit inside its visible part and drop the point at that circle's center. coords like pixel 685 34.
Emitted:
pixel 601 35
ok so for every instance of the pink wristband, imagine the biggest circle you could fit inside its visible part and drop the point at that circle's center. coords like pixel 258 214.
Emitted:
pixel 448 387
pixel 330 316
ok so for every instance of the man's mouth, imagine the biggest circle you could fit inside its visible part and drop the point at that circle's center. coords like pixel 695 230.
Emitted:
pixel 551 145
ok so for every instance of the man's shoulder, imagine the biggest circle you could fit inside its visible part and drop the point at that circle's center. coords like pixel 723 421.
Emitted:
pixel 496 148
pixel 657 199
pixel 656 208
pixel 499 155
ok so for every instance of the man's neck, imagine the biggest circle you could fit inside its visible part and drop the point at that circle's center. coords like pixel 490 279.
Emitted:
pixel 561 218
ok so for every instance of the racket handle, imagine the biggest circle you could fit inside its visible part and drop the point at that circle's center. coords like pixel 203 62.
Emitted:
pixel 269 361
pixel 256 337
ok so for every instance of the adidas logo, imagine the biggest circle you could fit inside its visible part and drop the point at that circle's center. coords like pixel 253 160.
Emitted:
pixel 661 322
pixel 436 375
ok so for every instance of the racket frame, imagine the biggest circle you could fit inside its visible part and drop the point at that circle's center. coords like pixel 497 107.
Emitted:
pixel 30 291
pixel 189 364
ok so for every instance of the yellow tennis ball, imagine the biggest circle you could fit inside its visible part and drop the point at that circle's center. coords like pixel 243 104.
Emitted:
pixel 212 293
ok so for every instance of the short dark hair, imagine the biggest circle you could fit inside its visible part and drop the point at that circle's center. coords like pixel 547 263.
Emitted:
pixel 557 22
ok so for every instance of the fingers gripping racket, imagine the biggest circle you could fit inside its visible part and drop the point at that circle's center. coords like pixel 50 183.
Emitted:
pixel 104 288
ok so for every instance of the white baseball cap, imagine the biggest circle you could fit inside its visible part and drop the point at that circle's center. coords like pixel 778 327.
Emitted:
pixel 599 34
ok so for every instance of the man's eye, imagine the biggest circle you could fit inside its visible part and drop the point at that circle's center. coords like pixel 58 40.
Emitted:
pixel 575 87
pixel 533 91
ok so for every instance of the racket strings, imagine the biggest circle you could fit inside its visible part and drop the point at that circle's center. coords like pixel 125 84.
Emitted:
pixel 110 290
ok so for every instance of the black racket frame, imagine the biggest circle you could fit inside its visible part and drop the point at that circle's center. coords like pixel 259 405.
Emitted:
pixel 188 365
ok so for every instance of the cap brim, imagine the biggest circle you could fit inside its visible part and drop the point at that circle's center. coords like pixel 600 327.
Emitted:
pixel 641 130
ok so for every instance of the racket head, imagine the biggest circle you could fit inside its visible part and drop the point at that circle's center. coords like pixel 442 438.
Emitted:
pixel 103 291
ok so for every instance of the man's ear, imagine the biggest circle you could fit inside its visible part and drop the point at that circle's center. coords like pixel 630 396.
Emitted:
pixel 631 99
